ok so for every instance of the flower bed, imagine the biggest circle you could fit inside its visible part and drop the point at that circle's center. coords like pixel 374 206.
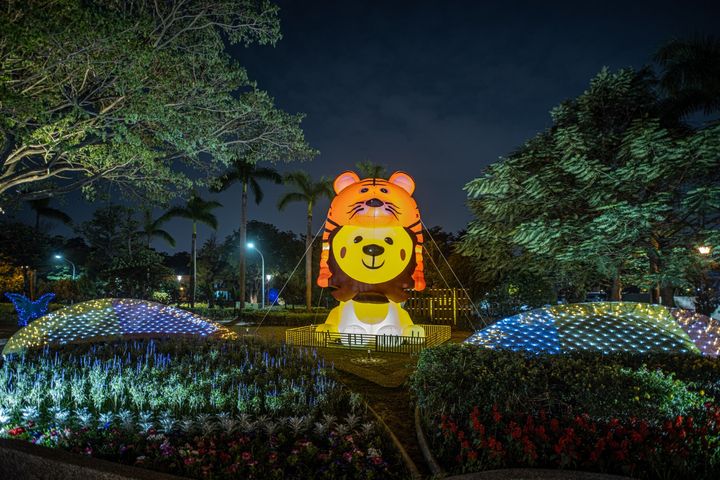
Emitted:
pixel 644 416
pixel 205 409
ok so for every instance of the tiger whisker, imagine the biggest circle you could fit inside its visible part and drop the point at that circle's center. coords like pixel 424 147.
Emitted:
pixel 393 213
pixel 356 212
pixel 359 207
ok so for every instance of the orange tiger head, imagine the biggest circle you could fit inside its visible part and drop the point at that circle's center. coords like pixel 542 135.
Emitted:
pixel 374 201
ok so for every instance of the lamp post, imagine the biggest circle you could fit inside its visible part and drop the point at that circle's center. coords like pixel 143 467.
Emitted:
pixel 60 257
pixel 262 273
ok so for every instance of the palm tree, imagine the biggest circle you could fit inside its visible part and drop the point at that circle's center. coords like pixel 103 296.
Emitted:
pixel 368 169
pixel 151 228
pixel 247 174
pixel 308 192
pixel 42 208
pixel 690 76
pixel 197 210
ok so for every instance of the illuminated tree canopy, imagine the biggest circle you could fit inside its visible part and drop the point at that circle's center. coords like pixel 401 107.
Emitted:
pixel 609 193
pixel 130 92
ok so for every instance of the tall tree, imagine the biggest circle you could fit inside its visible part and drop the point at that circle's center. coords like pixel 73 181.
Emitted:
pixel 607 189
pixel 198 211
pixel 307 191
pixel 690 76
pixel 247 174
pixel 137 93
pixel 368 169
pixel 150 228
pixel 42 208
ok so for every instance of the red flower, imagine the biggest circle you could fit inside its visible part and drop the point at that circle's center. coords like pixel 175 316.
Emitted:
pixel 554 425
pixel 496 415
pixel 472 455
pixel 246 456
pixel 16 431
pixel 515 431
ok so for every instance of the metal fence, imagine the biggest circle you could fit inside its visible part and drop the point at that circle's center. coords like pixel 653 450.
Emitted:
pixel 307 336
pixel 449 306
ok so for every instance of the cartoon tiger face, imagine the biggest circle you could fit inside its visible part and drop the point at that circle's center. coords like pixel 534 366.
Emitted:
pixel 374 201
pixel 372 255
pixel 372 243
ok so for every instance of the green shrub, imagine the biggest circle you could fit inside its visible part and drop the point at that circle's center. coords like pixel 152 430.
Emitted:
pixel 452 379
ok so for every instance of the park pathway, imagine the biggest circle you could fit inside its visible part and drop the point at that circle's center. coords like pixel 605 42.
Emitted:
pixel 393 405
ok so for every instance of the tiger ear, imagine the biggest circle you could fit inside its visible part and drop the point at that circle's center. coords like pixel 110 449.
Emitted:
pixel 404 181
pixel 344 180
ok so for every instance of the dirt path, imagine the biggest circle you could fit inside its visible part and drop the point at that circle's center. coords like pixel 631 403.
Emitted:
pixel 393 405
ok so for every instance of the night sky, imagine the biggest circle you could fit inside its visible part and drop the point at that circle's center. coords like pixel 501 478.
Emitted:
pixel 438 89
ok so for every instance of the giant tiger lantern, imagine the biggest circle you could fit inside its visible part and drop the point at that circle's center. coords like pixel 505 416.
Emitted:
pixel 372 255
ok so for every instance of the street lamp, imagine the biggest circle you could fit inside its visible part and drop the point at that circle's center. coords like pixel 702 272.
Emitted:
pixel 60 257
pixel 252 246
pixel 704 250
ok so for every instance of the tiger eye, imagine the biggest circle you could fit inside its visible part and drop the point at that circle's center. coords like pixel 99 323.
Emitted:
pixel 384 190
pixel 357 239
pixel 364 190
pixel 388 240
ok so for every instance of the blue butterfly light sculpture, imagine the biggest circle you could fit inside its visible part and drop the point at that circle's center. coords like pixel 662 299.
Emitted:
pixel 28 310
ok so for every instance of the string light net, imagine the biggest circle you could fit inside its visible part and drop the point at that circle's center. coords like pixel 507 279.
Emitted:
pixel 606 327
pixel 112 318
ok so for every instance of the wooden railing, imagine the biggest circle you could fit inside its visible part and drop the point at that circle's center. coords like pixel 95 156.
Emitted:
pixel 309 337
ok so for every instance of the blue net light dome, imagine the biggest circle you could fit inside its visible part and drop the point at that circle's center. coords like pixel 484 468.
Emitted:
pixel 112 318
pixel 606 327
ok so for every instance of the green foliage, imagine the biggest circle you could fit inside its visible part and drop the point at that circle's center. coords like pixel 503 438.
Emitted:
pixel 121 91
pixel 651 387
pixel 608 192
pixel 156 403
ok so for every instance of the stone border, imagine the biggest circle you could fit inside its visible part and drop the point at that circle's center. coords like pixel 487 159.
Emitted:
pixel 430 460
pixel 535 474
pixel 414 472
pixel 21 459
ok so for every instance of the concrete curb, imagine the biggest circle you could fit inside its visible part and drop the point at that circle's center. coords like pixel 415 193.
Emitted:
pixel 434 466
pixel 534 474
pixel 414 472
pixel 23 460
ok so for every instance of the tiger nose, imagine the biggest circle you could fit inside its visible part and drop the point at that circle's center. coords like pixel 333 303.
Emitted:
pixel 373 250
pixel 374 202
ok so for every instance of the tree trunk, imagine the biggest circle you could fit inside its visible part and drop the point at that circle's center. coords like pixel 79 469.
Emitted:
pixel 654 269
pixel 193 280
pixel 616 292
pixel 667 294
pixel 243 243
pixel 308 259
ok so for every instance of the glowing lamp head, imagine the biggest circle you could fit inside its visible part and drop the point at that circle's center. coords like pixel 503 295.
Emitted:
pixel 179 278
pixel 704 250
pixel 58 256
pixel 250 245
pixel 268 277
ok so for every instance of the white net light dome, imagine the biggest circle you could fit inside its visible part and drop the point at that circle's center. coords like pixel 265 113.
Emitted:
pixel 606 327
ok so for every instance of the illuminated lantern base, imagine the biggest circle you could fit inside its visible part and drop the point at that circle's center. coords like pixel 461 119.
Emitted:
pixel 371 319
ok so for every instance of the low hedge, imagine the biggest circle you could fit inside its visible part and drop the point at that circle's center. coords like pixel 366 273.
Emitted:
pixel 483 409
pixel 288 318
